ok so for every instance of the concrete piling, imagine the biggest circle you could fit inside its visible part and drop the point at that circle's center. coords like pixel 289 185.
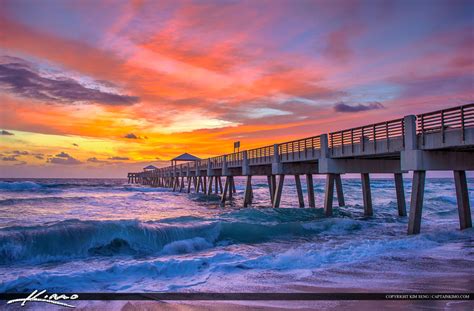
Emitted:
pixel 270 188
pixel 416 203
pixel 209 189
pixel 402 211
pixel 248 191
pixel 366 195
pixel 278 191
pixel 329 194
pixel 310 189
pixel 339 191
pixel 220 184
pixel 462 196
pixel 226 189
pixel 299 190
pixel 230 186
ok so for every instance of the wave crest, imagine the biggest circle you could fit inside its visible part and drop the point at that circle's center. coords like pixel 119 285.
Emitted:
pixel 19 186
pixel 75 238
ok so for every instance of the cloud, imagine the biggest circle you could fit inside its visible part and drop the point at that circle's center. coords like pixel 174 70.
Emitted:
pixel 95 160
pixel 22 80
pixel 18 152
pixel 63 158
pixel 76 145
pixel 39 156
pixel 343 107
pixel 63 155
pixel 68 161
pixel 119 158
pixel 4 132
pixel 338 42
pixel 131 136
pixel 9 158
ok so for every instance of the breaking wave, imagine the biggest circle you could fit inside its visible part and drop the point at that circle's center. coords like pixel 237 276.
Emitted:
pixel 75 238
pixel 19 186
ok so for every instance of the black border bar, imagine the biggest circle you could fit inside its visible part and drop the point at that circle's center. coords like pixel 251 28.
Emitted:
pixel 255 296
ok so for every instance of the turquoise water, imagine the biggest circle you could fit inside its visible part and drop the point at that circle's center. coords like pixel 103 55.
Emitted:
pixel 105 235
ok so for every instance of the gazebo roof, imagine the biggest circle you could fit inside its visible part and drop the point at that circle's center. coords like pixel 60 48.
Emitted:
pixel 150 167
pixel 186 157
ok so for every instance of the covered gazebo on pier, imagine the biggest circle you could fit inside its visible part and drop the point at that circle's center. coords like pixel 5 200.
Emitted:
pixel 185 157
pixel 149 168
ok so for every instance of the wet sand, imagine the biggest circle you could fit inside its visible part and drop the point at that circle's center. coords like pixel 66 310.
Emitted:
pixel 279 305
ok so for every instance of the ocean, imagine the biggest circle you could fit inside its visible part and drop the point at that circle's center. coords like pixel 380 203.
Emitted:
pixel 104 235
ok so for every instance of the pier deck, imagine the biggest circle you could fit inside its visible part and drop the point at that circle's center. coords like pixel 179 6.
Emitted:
pixel 433 141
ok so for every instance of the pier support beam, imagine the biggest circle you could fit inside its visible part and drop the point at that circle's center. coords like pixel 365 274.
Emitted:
pixel 310 187
pixel 220 184
pixel 340 192
pixel 366 194
pixel 199 181
pixel 402 210
pixel 189 184
pixel 329 194
pixel 203 181
pixel 174 181
pixel 299 190
pixel 251 195
pixel 181 187
pixel 278 191
pixel 233 185
pixel 248 191
pixel 270 188
pixel 209 190
pixel 416 203
pixel 226 189
pixel 462 196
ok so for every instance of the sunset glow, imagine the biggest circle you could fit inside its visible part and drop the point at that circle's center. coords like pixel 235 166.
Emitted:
pixel 99 88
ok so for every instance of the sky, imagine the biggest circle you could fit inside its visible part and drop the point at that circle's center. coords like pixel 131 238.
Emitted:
pixel 100 88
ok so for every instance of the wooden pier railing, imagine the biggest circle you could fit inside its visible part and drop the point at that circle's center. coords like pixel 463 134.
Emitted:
pixel 445 120
pixel 262 155
pixel 364 135
pixel 387 136
pixel 305 148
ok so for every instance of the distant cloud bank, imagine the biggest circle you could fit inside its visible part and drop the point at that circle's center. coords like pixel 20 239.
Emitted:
pixel 343 107
pixel 4 132
pixel 131 136
pixel 119 158
pixel 63 158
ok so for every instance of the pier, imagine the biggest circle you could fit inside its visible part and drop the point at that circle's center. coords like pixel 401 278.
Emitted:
pixel 441 140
